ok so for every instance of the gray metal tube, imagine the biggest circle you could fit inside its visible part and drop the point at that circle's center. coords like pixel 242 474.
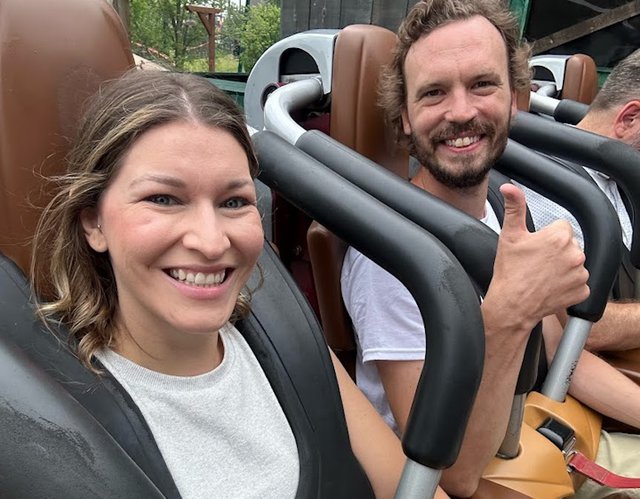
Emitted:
pixel 417 481
pixel 566 358
pixel 281 102
pixel 539 103
pixel 510 446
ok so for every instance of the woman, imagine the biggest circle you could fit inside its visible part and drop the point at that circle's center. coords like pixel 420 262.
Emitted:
pixel 143 254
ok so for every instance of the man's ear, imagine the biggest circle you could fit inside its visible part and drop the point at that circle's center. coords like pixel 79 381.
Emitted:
pixel 406 125
pixel 92 229
pixel 626 125
pixel 514 102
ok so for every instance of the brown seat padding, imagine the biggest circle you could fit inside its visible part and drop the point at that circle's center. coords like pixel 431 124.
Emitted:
pixel 580 79
pixel 326 252
pixel 53 56
pixel 360 52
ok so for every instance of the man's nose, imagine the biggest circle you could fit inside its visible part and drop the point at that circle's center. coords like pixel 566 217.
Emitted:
pixel 461 107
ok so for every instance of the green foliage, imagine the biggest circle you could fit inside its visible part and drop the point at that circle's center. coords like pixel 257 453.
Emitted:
pixel 261 30
pixel 231 33
pixel 164 31
pixel 225 63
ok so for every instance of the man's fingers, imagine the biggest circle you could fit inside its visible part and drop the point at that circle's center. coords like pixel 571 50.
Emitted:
pixel 515 209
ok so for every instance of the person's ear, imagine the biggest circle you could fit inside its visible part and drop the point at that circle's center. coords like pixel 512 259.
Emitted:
pixel 514 102
pixel 627 122
pixel 406 125
pixel 93 230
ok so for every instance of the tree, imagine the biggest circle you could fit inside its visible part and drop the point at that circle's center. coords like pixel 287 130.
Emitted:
pixel 235 20
pixel 261 30
pixel 165 30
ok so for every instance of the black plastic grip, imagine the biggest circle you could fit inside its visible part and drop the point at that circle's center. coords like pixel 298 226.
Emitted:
pixel 471 242
pixel 570 111
pixel 444 294
pixel 598 220
pixel 614 158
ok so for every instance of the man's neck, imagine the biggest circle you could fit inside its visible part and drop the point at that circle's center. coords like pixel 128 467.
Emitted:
pixel 471 200
pixel 598 122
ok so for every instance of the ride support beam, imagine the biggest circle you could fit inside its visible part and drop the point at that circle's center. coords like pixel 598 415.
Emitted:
pixel 587 27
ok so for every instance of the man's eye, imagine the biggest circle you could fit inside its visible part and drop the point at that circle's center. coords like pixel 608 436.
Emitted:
pixel 162 199
pixel 483 84
pixel 431 93
pixel 235 203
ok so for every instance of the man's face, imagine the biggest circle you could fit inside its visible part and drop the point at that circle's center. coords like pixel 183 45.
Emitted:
pixel 459 101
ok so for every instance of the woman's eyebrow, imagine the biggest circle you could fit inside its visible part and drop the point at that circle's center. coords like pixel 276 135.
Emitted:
pixel 160 179
pixel 238 183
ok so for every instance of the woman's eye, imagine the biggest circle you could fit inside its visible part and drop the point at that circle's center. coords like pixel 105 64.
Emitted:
pixel 235 203
pixel 161 199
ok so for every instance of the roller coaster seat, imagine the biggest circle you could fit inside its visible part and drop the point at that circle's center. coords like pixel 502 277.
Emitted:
pixel 575 77
pixel 52 60
pixel 45 80
pixel 580 79
pixel 360 52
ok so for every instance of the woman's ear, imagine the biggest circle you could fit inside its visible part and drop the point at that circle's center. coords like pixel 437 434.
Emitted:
pixel 93 230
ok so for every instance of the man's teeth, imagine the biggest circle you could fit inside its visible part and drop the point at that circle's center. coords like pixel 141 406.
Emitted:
pixel 462 141
pixel 198 278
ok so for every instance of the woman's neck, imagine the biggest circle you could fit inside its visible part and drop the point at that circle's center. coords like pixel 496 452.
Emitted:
pixel 186 355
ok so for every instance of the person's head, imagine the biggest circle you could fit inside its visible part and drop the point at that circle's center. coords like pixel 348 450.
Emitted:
pixel 431 91
pixel 615 111
pixel 154 225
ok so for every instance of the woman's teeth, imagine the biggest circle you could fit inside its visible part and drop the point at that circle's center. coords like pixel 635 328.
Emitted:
pixel 198 278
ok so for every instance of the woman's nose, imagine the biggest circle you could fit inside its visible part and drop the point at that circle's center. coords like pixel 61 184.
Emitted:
pixel 206 233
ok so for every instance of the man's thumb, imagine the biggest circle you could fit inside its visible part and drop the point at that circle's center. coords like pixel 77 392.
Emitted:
pixel 515 209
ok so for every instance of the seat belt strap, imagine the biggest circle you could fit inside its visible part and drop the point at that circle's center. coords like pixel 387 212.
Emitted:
pixel 583 465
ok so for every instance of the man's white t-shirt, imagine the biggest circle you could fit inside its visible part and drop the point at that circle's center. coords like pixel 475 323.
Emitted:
pixel 386 320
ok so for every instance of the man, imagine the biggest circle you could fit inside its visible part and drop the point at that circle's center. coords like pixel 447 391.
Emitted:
pixel 450 95
pixel 614 113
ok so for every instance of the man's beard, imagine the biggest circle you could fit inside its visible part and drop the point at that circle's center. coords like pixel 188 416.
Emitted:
pixel 469 171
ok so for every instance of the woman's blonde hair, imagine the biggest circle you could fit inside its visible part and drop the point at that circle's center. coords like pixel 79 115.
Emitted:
pixel 75 284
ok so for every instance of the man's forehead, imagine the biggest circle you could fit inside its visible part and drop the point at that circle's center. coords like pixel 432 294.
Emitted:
pixel 473 45
pixel 476 31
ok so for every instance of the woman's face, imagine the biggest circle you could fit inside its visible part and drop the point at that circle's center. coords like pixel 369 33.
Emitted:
pixel 180 224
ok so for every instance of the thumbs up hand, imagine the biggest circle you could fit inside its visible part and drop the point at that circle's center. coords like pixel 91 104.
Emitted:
pixel 535 274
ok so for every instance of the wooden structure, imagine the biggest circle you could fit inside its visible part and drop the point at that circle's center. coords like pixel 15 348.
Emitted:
pixel 208 17
pixel 560 26
pixel 301 15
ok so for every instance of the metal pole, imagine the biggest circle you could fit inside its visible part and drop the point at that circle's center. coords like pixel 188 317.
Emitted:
pixel 417 481
pixel 566 358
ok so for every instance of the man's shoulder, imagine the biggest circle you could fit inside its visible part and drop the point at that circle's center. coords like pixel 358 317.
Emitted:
pixel 356 265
